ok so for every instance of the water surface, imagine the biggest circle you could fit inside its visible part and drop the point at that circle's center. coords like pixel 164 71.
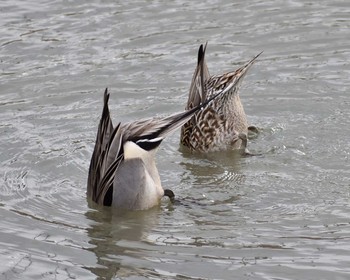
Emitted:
pixel 282 215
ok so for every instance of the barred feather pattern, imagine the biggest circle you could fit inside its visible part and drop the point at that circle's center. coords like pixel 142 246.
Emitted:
pixel 217 126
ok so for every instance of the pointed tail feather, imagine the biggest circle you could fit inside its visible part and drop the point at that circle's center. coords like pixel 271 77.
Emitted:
pixel 197 92
pixel 105 150
pixel 148 130
pixel 104 131
pixel 235 78
pixel 159 129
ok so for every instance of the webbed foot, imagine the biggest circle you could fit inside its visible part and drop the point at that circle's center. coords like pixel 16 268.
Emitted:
pixel 243 149
pixel 253 132
pixel 170 194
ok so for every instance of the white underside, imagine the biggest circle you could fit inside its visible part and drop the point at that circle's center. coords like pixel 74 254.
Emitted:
pixel 137 183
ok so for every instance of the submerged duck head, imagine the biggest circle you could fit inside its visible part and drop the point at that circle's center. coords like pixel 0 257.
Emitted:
pixel 122 170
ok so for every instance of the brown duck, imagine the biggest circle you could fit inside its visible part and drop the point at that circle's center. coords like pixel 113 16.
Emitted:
pixel 223 124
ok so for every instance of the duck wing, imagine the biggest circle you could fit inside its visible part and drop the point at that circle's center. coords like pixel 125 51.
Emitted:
pixel 109 154
pixel 106 157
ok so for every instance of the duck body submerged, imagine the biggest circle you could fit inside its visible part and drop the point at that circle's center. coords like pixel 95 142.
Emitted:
pixel 223 125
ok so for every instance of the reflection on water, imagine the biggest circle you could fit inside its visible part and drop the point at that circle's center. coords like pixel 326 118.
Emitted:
pixel 281 215
pixel 116 236
pixel 212 168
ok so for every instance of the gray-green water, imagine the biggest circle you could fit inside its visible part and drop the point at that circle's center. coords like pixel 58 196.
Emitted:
pixel 282 215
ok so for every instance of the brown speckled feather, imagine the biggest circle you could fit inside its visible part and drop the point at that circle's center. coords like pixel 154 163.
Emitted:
pixel 219 125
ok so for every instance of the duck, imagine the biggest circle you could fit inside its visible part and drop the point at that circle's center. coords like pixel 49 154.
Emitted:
pixel 123 172
pixel 223 125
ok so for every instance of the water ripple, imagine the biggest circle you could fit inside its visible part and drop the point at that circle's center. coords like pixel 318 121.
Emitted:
pixel 282 215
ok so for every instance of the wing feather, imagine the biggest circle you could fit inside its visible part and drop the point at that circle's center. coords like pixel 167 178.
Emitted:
pixel 104 130
pixel 106 157
pixel 159 128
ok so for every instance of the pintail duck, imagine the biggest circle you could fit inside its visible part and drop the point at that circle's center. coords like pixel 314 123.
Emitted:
pixel 223 124
pixel 123 171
